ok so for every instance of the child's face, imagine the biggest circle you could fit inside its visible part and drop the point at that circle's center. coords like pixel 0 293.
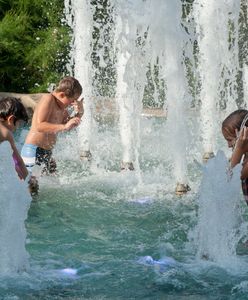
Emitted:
pixel 230 137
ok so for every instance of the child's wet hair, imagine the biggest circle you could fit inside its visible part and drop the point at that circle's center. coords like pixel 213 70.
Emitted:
pixel 13 106
pixel 234 120
pixel 70 86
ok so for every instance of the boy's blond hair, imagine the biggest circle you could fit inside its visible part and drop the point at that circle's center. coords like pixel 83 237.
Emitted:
pixel 70 86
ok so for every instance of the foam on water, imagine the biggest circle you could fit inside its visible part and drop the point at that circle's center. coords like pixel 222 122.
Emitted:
pixel 14 203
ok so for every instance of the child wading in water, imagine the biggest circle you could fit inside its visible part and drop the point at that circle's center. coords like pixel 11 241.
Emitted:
pixel 51 117
pixel 12 113
pixel 235 131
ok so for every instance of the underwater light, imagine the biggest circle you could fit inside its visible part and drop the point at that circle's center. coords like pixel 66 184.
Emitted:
pixel 69 271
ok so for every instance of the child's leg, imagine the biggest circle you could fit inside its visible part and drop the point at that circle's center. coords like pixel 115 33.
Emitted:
pixel 33 185
pixel 45 157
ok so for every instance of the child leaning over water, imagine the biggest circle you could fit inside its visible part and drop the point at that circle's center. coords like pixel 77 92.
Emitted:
pixel 12 113
pixel 51 116
pixel 235 131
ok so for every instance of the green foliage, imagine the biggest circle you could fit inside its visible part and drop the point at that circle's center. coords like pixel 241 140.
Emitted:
pixel 34 44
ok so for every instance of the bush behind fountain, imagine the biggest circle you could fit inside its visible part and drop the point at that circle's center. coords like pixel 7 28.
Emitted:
pixel 34 44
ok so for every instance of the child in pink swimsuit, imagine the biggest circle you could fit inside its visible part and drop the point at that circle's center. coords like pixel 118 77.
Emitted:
pixel 12 112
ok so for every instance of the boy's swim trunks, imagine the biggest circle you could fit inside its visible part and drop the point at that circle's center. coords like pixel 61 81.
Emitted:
pixel 33 155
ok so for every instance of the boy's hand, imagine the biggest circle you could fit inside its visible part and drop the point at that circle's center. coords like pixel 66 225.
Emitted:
pixel 72 123
pixel 78 108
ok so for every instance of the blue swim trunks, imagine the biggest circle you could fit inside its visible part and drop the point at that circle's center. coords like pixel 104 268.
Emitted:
pixel 33 155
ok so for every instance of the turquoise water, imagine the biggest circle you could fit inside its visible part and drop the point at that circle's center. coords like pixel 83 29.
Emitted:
pixel 105 235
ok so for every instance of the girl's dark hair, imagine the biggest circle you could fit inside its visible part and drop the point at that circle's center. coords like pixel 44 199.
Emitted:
pixel 13 106
pixel 235 119
pixel 70 86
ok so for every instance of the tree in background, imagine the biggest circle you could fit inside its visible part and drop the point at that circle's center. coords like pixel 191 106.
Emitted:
pixel 34 44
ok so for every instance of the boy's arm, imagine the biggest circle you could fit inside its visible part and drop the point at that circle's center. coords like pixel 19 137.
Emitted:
pixel 19 164
pixel 44 112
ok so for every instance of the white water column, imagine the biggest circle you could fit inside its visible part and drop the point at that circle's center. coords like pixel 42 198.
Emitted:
pixel 167 38
pixel 177 95
pixel 131 77
pixel 81 21
pixel 245 83
pixel 215 23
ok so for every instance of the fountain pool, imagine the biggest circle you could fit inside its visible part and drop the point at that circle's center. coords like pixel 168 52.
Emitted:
pixel 97 233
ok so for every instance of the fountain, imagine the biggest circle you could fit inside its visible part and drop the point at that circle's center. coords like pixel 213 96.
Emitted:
pixel 177 97
pixel 131 51
pixel 218 63
pixel 80 19
pixel 144 35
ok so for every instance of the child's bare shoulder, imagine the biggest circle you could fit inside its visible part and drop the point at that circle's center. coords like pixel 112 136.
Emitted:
pixel 46 97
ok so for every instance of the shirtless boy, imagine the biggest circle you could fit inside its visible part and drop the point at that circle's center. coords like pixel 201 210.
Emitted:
pixel 51 117
pixel 12 113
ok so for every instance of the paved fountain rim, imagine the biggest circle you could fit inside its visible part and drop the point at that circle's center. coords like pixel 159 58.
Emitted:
pixel 103 105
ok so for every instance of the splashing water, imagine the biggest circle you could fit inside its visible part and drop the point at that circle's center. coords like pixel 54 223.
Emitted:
pixel 218 61
pixel 14 203
pixel 130 31
pixel 177 96
pixel 219 214
pixel 80 19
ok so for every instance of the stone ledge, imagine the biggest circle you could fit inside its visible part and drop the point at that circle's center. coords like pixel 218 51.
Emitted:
pixel 28 100
pixel 103 105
